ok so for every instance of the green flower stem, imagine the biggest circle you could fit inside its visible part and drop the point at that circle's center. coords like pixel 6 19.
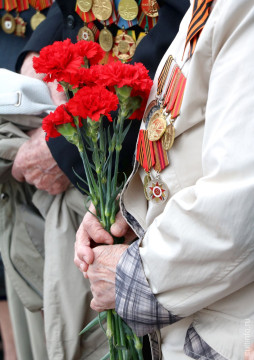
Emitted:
pixel 110 333
pixel 138 346
pixel 119 140
pixel 122 338
pixel 99 177
pixel 117 336
pixel 87 167
pixel 134 355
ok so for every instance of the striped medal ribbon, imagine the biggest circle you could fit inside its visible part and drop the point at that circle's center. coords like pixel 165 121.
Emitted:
pixel 200 13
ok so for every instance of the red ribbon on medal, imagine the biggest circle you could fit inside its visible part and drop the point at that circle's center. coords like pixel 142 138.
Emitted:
pixel 22 5
pixel 87 17
pixel 40 4
pixel 145 151
pixel 10 5
pixel 161 158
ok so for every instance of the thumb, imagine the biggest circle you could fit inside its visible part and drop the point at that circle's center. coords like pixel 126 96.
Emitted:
pixel 120 226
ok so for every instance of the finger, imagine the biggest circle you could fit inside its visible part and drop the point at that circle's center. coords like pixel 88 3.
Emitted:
pixel 82 247
pixel 120 226
pixel 81 265
pixel 95 230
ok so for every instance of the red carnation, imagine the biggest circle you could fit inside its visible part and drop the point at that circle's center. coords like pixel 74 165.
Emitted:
pixel 89 49
pixel 58 59
pixel 119 74
pixel 58 117
pixel 93 102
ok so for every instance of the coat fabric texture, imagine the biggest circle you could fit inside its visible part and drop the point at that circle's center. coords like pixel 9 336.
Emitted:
pixel 196 253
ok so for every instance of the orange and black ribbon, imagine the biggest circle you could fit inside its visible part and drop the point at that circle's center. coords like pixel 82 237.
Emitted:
pixel 200 14
pixel 145 151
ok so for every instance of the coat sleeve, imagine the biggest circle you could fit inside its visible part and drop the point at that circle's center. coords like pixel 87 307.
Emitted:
pixel 201 249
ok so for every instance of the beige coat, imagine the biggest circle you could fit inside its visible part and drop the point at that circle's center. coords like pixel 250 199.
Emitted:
pixel 198 249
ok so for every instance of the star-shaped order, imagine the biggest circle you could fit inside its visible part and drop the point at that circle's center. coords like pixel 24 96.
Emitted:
pixel 157 192
pixel 122 41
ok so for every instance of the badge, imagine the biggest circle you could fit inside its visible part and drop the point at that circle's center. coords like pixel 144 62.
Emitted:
pixel 150 8
pixel 168 137
pixel 85 34
pixel 156 126
pixel 8 23
pixel 106 39
pixel 85 5
pixel 102 9
pixel 20 26
pixel 157 192
pixel 36 19
pixel 124 47
pixel 128 9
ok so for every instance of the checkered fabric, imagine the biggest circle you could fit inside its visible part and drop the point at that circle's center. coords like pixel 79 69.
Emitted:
pixel 135 302
pixel 197 348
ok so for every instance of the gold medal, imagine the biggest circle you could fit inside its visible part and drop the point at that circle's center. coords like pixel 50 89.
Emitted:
pixel 20 26
pixel 85 5
pixel 168 137
pixel 147 180
pixel 85 34
pixel 36 19
pixel 156 126
pixel 106 39
pixel 124 47
pixel 150 8
pixel 8 23
pixel 157 192
pixel 102 9
pixel 128 9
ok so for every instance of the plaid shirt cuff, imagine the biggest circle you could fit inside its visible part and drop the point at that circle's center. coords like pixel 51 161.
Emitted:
pixel 135 302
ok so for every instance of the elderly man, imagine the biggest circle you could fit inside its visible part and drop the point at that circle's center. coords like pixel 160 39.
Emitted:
pixel 188 279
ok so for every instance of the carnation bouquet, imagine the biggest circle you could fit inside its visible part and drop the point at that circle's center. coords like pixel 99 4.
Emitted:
pixel 94 92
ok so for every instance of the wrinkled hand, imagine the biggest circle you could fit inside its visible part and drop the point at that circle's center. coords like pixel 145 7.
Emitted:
pixel 91 232
pixel 101 275
pixel 35 165
pixel 27 69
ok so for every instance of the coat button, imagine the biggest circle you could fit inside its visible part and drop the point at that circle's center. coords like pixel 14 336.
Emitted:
pixel 4 197
pixel 70 22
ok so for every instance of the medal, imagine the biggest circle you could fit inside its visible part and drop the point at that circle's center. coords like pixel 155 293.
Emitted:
pixel 168 137
pixel 157 191
pixel 156 126
pixel 8 23
pixel 84 5
pixel 102 9
pixel 20 26
pixel 128 9
pixel 124 46
pixel 36 19
pixel 85 34
pixel 106 39
pixel 150 8
pixel 147 180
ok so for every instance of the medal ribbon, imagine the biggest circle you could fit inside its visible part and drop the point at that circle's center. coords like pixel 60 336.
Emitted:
pixel 87 17
pixel 163 75
pixel 145 151
pixel 94 29
pixel 10 5
pixel 161 158
pixel 22 5
pixel 40 4
pixel 120 22
pixel 112 18
pixel 200 13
